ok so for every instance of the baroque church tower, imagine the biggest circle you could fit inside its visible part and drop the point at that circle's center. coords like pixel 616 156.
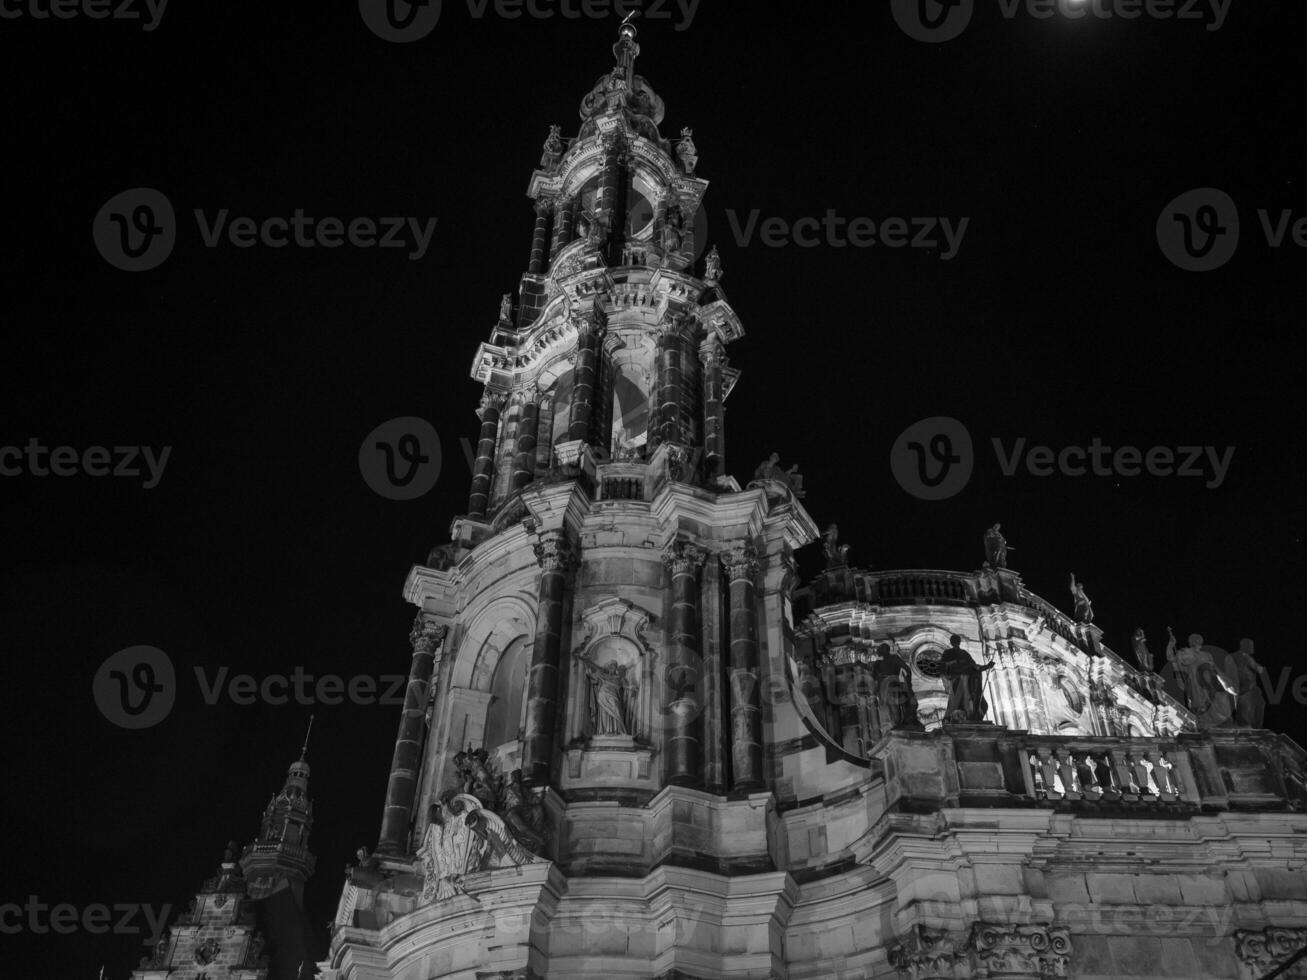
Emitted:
pixel 634 745
pixel 248 921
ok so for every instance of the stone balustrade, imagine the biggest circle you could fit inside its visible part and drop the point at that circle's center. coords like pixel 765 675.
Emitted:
pixel 989 766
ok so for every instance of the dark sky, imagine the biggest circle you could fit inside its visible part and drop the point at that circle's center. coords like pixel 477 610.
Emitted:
pixel 262 549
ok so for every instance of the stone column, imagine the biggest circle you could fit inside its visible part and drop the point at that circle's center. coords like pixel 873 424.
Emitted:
pixel 714 729
pixel 540 237
pixel 712 354
pixel 669 383
pixel 583 380
pixel 428 639
pixel 483 471
pixel 607 199
pixel 684 666
pixel 556 557
pixel 741 566
pixel 524 462
pixel 564 225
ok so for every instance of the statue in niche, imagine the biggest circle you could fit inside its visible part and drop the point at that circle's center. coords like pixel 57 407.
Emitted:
pixel 612 697
pixel 837 555
pixel 893 679
pixel 553 149
pixel 674 229
pixel 1201 686
pixel 996 548
pixel 686 151
pixel 1142 654
pixel 712 267
pixel 1084 609
pixel 965 679
pixel 1249 701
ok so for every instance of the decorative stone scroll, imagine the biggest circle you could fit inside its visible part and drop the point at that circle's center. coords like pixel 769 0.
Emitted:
pixel 1032 952
pixel 929 954
pixel 1261 953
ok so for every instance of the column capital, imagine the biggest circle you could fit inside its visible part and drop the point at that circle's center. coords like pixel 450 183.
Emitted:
pixel 544 205
pixel 684 557
pixel 712 352
pixel 427 634
pixel 741 563
pixel 491 401
pixel 554 552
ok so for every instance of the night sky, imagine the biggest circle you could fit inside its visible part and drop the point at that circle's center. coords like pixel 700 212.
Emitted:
pixel 262 549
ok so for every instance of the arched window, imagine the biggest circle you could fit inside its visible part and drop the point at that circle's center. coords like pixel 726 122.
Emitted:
pixel 508 690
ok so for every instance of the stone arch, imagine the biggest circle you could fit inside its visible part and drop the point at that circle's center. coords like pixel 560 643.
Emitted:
pixel 488 635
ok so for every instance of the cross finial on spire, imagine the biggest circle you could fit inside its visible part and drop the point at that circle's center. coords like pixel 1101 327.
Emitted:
pixel 305 750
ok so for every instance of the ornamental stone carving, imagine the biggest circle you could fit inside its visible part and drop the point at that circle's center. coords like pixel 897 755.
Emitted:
pixel 555 553
pixel 1261 953
pixel 427 634
pixel 740 563
pixel 1020 952
pixel 928 954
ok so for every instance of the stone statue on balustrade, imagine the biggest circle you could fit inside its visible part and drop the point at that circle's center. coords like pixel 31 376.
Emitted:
pixel 1084 609
pixel 966 684
pixel 612 698
pixel 1250 676
pixel 674 229
pixel 1142 654
pixel 1202 689
pixel 996 548
pixel 473 765
pixel 837 555
pixel 770 469
pixel 506 308
pixel 893 679
pixel 686 151
pixel 712 267
pixel 553 149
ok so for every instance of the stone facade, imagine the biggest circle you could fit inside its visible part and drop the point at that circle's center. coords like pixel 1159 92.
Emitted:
pixel 635 747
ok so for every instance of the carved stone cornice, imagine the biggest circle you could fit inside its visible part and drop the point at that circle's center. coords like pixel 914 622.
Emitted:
pixel 1260 953
pixel 741 564
pixel 684 558
pixel 555 553
pixel 1021 951
pixel 427 634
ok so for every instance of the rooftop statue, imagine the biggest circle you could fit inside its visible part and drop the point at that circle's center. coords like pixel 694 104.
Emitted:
pixel 1250 702
pixel 770 469
pixel 837 555
pixel 1202 688
pixel 712 271
pixel 686 151
pixel 1142 653
pixel 996 548
pixel 1084 611
pixel 893 680
pixel 553 149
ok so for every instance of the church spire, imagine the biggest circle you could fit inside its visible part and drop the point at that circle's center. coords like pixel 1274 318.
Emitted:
pixel 279 857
